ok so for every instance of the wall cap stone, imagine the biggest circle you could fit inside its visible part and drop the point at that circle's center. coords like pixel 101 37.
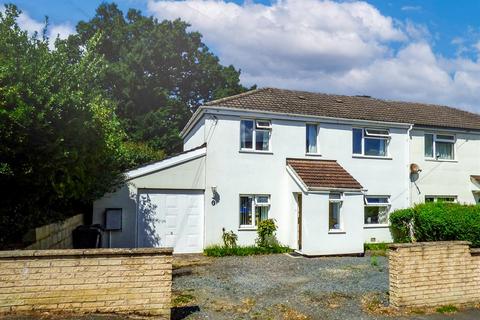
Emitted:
pixel 395 246
pixel 84 252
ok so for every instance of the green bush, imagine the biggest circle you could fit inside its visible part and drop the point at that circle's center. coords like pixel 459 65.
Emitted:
pixel 266 234
pixel 438 222
pixel 222 251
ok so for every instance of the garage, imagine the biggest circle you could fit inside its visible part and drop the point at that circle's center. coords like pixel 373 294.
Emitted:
pixel 171 218
pixel 160 204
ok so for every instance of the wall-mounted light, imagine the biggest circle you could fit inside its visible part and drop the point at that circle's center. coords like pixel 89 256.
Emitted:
pixel 215 196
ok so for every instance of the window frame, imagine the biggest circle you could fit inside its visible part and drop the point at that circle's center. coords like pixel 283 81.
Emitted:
pixel 333 199
pixel 317 140
pixel 368 204
pixel 437 197
pixel 434 145
pixel 375 136
pixel 256 127
pixel 253 204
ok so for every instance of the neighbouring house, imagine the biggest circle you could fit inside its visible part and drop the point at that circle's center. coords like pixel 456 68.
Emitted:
pixel 328 168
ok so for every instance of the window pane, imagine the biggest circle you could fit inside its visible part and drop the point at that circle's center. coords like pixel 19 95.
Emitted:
pixel 246 210
pixel 334 216
pixel 246 134
pixel 262 139
pixel 377 132
pixel 446 199
pixel 377 200
pixel 311 138
pixel 444 150
pixel 375 147
pixel 262 199
pixel 445 137
pixel 429 199
pixel 261 213
pixel 371 215
pixel 376 215
pixel 357 141
pixel 429 145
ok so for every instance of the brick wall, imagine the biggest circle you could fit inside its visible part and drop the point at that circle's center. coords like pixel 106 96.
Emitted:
pixel 55 235
pixel 96 280
pixel 432 274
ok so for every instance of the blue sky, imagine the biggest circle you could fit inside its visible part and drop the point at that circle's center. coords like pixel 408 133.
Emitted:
pixel 409 50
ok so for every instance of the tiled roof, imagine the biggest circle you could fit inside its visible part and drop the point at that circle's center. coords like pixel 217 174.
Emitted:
pixel 323 174
pixel 350 107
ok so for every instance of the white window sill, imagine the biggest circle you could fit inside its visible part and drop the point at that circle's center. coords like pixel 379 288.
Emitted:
pixel 375 225
pixel 336 231
pixel 440 160
pixel 360 156
pixel 247 229
pixel 313 154
pixel 255 151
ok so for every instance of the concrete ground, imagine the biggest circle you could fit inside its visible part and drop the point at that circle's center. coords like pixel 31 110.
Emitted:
pixel 282 287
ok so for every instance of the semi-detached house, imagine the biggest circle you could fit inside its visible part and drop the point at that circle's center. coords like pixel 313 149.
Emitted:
pixel 328 168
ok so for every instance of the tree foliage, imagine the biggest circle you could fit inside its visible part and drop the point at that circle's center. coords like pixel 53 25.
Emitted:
pixel 157 72
pixel 60 141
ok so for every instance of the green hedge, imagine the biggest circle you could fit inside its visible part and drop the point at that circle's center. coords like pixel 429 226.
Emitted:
pixel 222 251
pixel 438 222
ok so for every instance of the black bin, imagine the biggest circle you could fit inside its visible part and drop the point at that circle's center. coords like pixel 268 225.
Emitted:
pixel 87 237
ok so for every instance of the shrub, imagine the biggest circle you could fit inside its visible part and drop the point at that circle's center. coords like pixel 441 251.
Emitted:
pixel 222 251
pixel 438 222
pixel 229 239
pixel 266 234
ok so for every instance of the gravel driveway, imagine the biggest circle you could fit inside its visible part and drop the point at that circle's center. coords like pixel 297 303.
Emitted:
pixel 282 287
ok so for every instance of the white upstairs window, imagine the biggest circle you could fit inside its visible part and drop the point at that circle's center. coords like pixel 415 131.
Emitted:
pixel 255 135
pixel 439 146
pixel 311 130
pixel 370 142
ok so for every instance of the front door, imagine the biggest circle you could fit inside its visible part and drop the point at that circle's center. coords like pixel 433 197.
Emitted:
pixel 299 220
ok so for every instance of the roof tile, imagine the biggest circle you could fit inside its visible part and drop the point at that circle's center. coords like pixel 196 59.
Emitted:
pixel 323 174
pixel 350 107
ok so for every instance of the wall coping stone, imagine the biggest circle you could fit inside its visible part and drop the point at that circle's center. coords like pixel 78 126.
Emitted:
pixel 84 252
pixel 395 246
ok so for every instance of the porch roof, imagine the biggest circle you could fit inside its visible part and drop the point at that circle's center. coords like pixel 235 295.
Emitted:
pixel 323 174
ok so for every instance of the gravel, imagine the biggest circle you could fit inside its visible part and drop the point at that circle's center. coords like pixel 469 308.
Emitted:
pixel 282 287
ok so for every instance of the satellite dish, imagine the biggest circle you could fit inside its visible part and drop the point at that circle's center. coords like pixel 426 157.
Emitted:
pixel 414 168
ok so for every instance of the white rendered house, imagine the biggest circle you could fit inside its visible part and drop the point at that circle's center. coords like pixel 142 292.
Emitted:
pixel 328 168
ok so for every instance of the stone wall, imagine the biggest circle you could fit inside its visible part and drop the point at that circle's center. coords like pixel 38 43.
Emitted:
pixel 55 235
pixel 84 281
pixel 432 274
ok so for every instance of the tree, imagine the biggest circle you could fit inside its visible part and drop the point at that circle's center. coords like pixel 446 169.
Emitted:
pixel 60 140
pixel 158 72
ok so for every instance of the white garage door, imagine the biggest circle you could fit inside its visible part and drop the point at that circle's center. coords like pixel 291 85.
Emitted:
pixel 171 218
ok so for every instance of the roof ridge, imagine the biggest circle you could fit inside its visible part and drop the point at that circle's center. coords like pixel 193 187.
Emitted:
pixel 235 96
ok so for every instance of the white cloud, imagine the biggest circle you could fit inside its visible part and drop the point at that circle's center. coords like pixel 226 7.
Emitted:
pixel 31 25
pixel 327 46
pixel 411 8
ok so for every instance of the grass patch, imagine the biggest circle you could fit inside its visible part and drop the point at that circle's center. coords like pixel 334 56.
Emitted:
pixel 380 246
pixel 181 299
pixel 221 251
pixel 447 309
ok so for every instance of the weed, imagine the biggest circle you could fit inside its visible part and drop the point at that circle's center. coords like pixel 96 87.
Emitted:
pixel 374 261
pixel 181 299
pixel 447 309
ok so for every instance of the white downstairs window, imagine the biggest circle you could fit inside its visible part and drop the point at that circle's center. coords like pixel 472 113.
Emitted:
pixel 439 146
pixel 255 135
pixel 377 209
pixel 335 220
pixel 253 209
pixel 450 199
